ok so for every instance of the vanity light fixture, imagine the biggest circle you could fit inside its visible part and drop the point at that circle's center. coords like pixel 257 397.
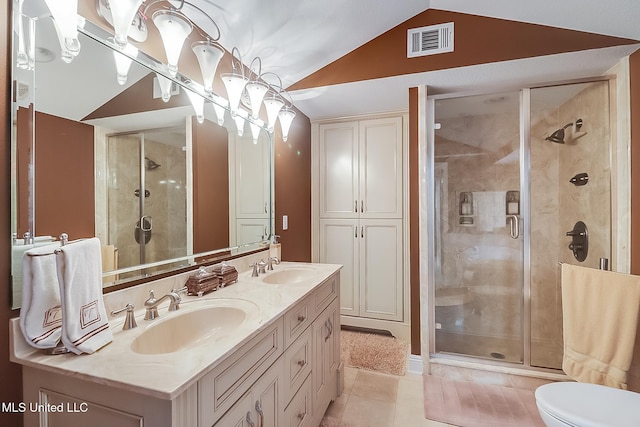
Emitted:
pixel 65 18
pixel 286 116
pixel 209 54
pixel 26 49
pixel 240 119
pixel 123 62
pixel 255 129
pixel 123 13
pixel 219 106
pixel 174 30
pixel 234 82
pixel 165 87
pixel 197 101
pixel 273 102
pixel 256 89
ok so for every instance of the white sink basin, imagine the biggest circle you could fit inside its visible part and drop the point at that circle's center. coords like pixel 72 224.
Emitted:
pixel 189 327
pixel 288 276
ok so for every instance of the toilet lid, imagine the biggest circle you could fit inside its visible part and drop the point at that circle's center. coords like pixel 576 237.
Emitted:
pixel 589 405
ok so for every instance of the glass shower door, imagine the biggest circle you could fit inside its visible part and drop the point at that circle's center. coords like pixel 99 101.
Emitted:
pixel 478 242
pixel 147 196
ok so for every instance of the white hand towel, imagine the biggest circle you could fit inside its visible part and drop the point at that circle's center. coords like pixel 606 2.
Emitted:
pixel 40 316
pixel 85 327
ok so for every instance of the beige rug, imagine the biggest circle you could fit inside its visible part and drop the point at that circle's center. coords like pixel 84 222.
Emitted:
pixel 469 404
pixel 332 422
pixel 374 352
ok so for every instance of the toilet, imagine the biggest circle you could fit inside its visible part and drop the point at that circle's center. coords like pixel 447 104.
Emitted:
pixel 572 404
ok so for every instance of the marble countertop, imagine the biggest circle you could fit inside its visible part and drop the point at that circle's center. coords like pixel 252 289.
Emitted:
pixel 167 375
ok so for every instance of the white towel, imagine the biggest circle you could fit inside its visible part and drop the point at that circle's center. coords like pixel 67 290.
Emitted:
pixel 85 327
pixel 600 312
pixel 40 316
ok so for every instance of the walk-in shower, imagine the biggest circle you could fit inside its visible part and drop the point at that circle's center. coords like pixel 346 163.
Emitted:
pixel 502 202
pixel 146 195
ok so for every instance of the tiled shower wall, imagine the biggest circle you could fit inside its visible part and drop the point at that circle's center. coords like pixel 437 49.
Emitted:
pixel 167 199
pixel 481 257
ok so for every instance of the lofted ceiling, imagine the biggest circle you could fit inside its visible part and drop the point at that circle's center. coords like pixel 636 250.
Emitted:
pixel 296 39
pixel 305 42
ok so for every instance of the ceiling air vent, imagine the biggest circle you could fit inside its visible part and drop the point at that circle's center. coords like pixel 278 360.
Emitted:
pixel 430 40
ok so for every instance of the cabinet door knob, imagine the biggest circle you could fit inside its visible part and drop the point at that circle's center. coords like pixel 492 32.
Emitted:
pixel 301 318
pixel 301 363
pixel 302 415
pixel 356 209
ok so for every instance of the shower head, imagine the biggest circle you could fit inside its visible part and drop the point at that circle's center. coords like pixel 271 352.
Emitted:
pixel 150 164
pixel 558 136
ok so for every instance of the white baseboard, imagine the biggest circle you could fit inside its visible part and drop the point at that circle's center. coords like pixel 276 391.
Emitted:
pixel 414 364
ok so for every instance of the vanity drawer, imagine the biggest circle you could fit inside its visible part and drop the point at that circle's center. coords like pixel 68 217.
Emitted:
pixel 297 320
pixel 326 293
pixel 298 413
pixel 297 364
pixel 223 386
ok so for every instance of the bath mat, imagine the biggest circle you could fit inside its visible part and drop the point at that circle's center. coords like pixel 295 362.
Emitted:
pixel 374 352
pixel 468 404
pixel 332 422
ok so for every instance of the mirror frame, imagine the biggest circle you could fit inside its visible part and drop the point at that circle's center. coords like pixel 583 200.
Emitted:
pixel 188 262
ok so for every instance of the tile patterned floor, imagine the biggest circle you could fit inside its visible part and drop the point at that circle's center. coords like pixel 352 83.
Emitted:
pixel 372 399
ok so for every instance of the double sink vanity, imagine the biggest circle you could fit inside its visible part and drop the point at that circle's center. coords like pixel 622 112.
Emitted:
pixel 264 351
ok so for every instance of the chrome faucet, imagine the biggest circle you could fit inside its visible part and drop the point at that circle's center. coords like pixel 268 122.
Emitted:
pixel 271 261
pixel 151 305
pixel 130 320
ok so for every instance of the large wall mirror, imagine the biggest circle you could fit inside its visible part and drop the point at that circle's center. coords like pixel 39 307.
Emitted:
pixel 162 188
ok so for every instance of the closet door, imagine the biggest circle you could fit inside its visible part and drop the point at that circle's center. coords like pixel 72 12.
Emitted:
pixel 339 170
pixel 251 178
pixel 380 168
pixel 381 295
pixel 339 241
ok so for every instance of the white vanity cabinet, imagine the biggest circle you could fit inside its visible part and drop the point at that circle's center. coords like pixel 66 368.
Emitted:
pixel 283 375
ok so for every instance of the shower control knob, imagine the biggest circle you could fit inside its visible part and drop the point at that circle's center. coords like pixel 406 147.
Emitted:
pixel 575 247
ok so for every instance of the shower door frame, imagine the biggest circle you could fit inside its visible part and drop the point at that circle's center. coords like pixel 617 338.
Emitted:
pixel 426 142
pixel 143 265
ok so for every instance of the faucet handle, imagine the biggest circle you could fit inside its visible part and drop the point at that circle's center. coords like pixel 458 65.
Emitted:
pixel 151 300
pixel 271 261
pixel 254 273
pixel 130 320
pixel 261 267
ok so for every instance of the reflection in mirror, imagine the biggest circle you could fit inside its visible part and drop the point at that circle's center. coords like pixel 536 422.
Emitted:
pixel 94 157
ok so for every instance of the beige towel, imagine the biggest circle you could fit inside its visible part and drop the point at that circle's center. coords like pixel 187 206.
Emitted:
pixel 600 317
pixel 85 327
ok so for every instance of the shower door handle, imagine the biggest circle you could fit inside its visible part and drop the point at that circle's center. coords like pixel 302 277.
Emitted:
pixel 514 226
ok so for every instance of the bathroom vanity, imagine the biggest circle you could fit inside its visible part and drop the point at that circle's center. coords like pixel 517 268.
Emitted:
pixel 264 351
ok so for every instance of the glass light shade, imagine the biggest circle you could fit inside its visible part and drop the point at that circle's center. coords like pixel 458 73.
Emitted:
pixel 273 105
pixel 198 105
pixel 239 118
pixel 25 55
pixel 286 117
pixel 234 83
pixel 256 91
pixel 174 29
pixel 255 130
pixel 122 14
pixel 219 105
pixel 65 16
pixel 165 87
pixel 209 56
pixel 123 62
